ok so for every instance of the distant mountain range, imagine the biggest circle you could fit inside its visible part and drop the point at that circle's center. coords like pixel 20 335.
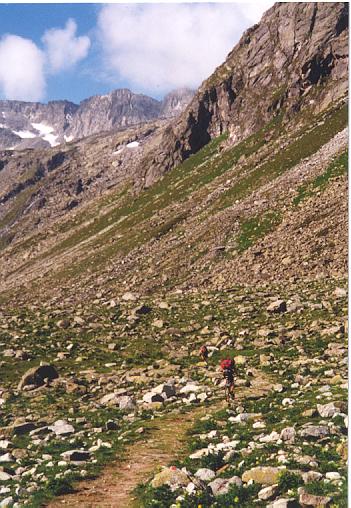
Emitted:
pixel 36 125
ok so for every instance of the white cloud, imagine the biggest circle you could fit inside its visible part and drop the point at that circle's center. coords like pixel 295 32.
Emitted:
pixel 21 69
pixel 63 48
pixel 157 47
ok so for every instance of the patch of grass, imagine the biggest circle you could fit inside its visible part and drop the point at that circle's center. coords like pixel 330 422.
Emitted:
pixel 256 227
pixel 337 168
pixel 306 143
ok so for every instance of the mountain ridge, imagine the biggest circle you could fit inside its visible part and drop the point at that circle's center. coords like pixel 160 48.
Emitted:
pixel 40 125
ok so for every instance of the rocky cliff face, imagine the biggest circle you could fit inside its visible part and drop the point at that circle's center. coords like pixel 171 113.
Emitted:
pixel 176 101
pixel 35 125
pixel 120 108
pixel 295 59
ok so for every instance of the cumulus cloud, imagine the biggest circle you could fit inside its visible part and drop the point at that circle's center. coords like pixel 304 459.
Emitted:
pixel 157 47
pixel 63 48
pixel 21 69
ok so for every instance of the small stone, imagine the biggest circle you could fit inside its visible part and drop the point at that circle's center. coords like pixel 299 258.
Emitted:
pixel 267 492
pixel 128 297
pixel 333 475
pixel 311 476
pixel 340 293
pixel 126 403
pixel 111 425
pixel 283 503
pixel 288 434
pixel 157 323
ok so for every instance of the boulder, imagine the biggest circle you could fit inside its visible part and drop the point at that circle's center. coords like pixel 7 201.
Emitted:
pixel 221 486
pixel 152 397
pixel 126 403
pixel 36 376
pixel 340 293
pixel 76 455
pixel 171 476
pixel 327 410
pixel 21 428
pixel 277 307
pixel 283 503
pixel 129 297
pixel 267 492
pixel 205 474
pixel 307 500
pixel 61 428
pixel 315 431
pixel 167 390
pixel 311 476
pixel 265 475
pixel 288 434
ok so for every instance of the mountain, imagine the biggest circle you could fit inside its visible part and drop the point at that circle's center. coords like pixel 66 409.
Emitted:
pixel 33 125
pixel 123 252
pixel 295 60
pixel 198 178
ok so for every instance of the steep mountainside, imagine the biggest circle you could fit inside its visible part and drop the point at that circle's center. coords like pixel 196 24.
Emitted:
pixel 35 125
pixel 295 60
pixel 123 253
pixel 82 205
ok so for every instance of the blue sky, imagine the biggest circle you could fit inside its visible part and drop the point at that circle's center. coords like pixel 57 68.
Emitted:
pixel 73 51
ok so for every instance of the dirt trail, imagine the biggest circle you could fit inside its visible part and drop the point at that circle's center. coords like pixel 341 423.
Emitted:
pixel 164 443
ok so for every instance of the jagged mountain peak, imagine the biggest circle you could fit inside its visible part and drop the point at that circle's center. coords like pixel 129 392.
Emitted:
pixel 33 124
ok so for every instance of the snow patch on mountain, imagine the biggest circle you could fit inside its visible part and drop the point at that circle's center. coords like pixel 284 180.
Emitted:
pixel 25 134
pixel 45 132
pixel 133 144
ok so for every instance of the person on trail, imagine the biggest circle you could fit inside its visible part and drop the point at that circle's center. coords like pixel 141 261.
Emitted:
pixel 204 353
pixel 228 368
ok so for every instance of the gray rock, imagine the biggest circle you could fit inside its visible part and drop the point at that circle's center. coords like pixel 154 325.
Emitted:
pixel 311 476
pixel 306 500
pixel 283 503
pixel 167 390
pixel 8 501
pixel 61 428
pixel 36 376
pixel 205 474
pixel 315 431
pixel 152 397
pixel 221 486
pixel 277 307
pixel 4 477
pixel 23 428
pixel 288 434
pixel 327 410
pixel 127 403
pixel 267 492
pixel 76 455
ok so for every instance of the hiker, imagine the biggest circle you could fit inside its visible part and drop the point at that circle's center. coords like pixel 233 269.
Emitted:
pixel 204 353
pixel 228 367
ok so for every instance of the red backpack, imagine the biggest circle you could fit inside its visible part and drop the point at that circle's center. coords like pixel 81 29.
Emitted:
pixel 227 364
